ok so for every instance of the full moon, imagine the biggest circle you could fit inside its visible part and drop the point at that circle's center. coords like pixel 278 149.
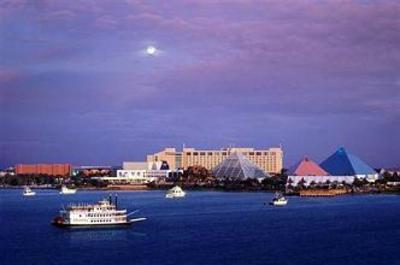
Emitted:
pixel 151 50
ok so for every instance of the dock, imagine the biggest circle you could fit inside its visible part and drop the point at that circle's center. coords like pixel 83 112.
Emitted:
pixel 322 192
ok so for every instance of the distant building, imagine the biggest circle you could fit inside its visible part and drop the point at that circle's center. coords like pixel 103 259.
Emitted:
pixel 92 171
pixel 269 160
pixel 140 173
pixel 45 169
pixel 308 172
pixel 389 171
pixel 134 165
pixel 238 167
pixel 343 163
pixel 8 171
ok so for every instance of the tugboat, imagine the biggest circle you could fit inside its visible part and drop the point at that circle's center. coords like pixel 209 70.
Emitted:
pixel 104 213
pixel 175 192
pixel 65 190
pixel 28 192
pixel 279 200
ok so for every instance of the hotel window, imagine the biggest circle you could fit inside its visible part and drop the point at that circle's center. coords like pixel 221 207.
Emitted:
pixel 202 153
pixel 189 153
pixel 195 153
pixel 258 153
pixel 224 153
pixel 251 153
pixel 210 153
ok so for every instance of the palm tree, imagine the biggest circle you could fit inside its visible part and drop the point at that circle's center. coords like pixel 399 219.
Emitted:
pixel 302 183
pixel 313 184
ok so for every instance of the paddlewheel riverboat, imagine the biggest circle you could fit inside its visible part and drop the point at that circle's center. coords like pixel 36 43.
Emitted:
pixel 102 213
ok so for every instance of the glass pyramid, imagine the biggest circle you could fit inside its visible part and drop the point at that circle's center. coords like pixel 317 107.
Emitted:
pixel 343 163
pixel 238 167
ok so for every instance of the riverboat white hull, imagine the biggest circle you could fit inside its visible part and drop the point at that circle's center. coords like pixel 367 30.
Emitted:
pixel 61 223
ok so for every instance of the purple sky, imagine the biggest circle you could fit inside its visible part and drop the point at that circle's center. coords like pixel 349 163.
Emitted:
pixel 76 85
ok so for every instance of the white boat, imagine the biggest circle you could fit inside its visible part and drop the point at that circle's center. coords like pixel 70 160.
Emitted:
pixel 65 190
pixel 279 200
pixel 102 213
pixel 28 192
pixel 175 192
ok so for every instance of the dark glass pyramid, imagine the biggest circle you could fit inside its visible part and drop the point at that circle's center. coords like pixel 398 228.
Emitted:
pixel 343 163
pixel 238 167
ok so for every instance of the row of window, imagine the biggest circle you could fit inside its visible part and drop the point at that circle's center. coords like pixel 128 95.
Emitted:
pixel 101 221
pixel 202 161
pixel 224 153
pixel 99 215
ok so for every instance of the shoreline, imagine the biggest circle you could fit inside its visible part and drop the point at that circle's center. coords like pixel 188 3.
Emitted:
pixel 200 189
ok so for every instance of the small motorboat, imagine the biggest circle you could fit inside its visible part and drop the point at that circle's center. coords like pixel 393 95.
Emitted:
pixel 279 200
pixel 28 192
pixel 175 192
pixel 65 190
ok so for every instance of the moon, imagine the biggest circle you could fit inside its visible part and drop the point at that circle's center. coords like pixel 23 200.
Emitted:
pixel 151 50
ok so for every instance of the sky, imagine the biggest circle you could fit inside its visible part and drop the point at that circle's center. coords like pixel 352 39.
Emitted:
pixel 77 86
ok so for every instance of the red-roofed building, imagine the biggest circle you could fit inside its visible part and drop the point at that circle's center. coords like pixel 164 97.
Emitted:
pixel 308 172
pixel 307 167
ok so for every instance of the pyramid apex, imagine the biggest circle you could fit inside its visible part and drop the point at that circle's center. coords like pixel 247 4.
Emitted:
pixel 341 150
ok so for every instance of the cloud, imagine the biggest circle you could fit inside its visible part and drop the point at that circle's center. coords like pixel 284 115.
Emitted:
pixel 8 76
pixel 252 69
pixel 106 22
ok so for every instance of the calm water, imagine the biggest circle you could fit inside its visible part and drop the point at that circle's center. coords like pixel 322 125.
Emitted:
pixel 205 228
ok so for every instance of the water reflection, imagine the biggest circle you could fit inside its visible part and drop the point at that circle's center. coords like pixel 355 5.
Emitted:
pixel 74 235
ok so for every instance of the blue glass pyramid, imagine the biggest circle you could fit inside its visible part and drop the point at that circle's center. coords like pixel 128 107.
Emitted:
pixel 343 163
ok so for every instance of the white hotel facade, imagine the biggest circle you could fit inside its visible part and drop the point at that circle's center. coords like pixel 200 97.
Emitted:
pixel 139 173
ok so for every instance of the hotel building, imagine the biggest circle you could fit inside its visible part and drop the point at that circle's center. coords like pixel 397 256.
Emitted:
pixel 269 160
pixel 44 169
